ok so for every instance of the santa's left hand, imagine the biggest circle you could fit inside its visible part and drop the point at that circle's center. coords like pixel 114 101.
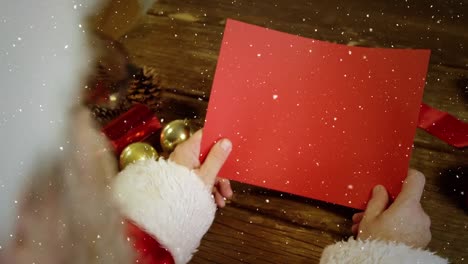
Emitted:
pixel 187 154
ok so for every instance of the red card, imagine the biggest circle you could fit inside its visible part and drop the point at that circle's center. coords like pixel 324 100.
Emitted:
pixel 312 118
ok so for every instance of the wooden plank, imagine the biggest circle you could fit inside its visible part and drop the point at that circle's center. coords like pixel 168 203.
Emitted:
pixel 240 236
pixel 116 17
pixel 446 90
pixel 353 22
pixel 175 106
pixel 184 60
pixel 185 53
pixel 445 199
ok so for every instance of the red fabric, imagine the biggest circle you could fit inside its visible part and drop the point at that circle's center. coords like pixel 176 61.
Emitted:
pixel 149 251
pixel 135 125
pixel 313 118
pixel 443 126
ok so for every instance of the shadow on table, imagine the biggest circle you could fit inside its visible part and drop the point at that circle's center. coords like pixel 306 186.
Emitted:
pixel 454 184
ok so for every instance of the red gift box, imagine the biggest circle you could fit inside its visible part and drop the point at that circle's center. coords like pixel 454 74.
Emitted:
pixel 137 124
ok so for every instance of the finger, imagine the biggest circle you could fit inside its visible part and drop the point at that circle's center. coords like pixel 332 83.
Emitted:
pixel 214 161
pixel 187 152
pixel 357 217
pixel 377 204
pixel 355 229
pixel 413 187
pixel 224 187
pixel 219 199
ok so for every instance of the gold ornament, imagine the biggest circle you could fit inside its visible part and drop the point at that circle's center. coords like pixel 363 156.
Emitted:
pixel 135 152
pixel 175 133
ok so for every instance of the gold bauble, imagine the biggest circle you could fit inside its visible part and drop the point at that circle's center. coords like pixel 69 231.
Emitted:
pixel 175 133
pixel 135 152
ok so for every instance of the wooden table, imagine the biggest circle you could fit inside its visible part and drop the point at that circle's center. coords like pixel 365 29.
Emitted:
pixel 181 40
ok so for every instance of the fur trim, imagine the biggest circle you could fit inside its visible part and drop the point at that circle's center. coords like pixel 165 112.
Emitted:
pixel 374 251
pixel 169 202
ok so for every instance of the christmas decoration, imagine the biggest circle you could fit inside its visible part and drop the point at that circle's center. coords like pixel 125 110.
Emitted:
pixel 135 125
pixel 142 88
pixel 175 133
pixel 135 152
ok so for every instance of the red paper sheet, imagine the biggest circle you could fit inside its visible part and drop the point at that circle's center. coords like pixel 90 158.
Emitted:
pixel 312 118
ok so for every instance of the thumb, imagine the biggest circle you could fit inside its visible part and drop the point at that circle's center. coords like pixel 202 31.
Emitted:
pixel 412 188
pixel 377 204
pixel 214 161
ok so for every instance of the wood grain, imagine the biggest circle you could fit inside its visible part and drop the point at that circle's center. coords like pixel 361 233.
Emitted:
pixel 194 39
pixel 181 40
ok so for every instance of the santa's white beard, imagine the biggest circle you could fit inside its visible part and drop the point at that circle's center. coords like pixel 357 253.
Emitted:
pixel 43 59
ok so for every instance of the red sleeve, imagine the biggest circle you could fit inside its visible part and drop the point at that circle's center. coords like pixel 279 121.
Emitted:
pixel 148 249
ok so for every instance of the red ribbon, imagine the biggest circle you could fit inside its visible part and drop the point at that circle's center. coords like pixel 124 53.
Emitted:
pixel 444 126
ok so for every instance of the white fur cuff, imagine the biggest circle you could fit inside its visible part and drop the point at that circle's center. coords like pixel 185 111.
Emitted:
pixel 376 252
pixel 168 201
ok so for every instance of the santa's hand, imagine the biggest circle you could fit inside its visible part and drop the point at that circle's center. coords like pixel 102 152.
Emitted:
pixel 187 154
pixel 404 221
